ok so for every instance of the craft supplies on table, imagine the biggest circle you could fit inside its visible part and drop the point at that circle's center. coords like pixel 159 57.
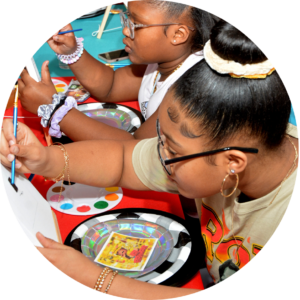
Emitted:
pixel 79 199
pixel 174 259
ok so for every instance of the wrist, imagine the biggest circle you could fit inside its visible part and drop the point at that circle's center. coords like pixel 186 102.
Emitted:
pixel 74 56
pixel 54 162
pixel 58 115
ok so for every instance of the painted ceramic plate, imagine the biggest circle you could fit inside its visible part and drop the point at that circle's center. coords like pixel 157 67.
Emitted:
pixel 179 266
pixel 115 115
pixel 96 236
pixel 80 199
pixel 60 86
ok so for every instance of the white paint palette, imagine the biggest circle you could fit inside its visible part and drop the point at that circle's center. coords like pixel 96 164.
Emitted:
pixel 79 199
pixel 59 85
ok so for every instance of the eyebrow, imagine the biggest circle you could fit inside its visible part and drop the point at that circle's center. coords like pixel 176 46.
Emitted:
pixel 135 15
pixel 185 131
pixel 173 115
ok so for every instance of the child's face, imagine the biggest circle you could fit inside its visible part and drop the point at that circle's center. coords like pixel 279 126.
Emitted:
pixel 150 45
pixel 195 178
pixel 122 252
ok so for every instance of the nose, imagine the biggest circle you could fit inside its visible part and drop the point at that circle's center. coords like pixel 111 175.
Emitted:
pixel 126 31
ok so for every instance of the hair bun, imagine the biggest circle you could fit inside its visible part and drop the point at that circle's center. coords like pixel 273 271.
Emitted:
pixel 231 44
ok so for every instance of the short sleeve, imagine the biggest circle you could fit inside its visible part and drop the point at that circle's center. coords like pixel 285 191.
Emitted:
pixel 148 168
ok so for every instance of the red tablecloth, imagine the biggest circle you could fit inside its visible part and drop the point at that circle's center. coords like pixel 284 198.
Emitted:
pixel 131 199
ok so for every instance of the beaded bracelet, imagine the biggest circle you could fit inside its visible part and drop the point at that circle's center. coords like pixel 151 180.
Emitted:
pixel 101 278
pixel 72 58
pixel 111 280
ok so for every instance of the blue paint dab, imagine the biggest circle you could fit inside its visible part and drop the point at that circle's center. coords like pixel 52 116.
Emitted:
pixel 66 206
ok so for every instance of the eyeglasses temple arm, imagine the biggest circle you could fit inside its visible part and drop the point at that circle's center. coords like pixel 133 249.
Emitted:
pixel 178 159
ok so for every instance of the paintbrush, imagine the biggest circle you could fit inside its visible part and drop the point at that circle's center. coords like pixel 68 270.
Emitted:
pixel 15 123
pixel 73 30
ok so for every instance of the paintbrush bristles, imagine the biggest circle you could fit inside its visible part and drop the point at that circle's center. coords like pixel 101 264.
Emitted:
pixel 16 96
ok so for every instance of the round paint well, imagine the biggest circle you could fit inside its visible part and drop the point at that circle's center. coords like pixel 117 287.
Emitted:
pixel 101 204
pixel 111 197
pixel 83 208
pixel 66 206
pixel 112 189
pixel 57 189
pixel 56 198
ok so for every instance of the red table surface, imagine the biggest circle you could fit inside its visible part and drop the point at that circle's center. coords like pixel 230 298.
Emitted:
pixel 131 199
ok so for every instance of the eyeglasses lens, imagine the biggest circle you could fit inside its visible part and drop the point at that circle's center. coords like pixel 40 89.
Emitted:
pixel 125 22
pixel 161 149
pixel 163 155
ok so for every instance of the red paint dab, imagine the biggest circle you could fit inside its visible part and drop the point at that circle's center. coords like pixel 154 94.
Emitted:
pixel 83 208
pixel 248 239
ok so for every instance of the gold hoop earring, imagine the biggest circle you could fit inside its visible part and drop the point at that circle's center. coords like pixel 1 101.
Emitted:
pixel 236 185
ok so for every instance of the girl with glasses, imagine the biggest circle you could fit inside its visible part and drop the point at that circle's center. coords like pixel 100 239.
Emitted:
pixel 225 142
pixel 163 40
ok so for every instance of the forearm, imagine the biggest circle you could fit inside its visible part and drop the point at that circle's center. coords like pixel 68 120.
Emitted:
pixel 95 163
pixel 89 162
pixel 79 127
pixel 95 76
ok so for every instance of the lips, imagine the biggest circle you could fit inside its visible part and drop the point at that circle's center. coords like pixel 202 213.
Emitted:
pixel 127 47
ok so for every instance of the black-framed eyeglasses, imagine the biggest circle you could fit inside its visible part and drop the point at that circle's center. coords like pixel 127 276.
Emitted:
pixel 166 162
pixel 126 22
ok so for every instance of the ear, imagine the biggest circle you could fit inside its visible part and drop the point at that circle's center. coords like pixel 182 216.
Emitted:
pixel 235 161
pixel 178 34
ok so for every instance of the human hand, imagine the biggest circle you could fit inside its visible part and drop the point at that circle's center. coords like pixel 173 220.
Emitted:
pixel 65 43
pixel 31 154
pixel 33 94
pixel 70 261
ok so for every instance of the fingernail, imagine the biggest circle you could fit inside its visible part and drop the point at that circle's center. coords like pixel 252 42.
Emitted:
pixel 11 142
pixel 10 157
pixel 56 37
pixel 18 165
pixel 15 150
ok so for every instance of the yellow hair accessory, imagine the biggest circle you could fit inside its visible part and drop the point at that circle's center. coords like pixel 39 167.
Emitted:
pixel 252 76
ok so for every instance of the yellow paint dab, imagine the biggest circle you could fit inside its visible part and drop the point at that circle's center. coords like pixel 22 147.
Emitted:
pixel 59 89
pixel 111 197
pixel 112 189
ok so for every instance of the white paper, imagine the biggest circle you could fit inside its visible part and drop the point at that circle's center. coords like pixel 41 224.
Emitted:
pixel 31 210
pixel 32 70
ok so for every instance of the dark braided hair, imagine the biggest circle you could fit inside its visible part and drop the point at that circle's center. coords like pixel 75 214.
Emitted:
pixel 201 20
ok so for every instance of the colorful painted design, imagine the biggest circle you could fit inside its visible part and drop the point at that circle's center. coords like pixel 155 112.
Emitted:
pixel 124 252
pixel 80 199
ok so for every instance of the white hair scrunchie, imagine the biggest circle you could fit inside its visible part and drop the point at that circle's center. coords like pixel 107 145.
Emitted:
pixel 235 69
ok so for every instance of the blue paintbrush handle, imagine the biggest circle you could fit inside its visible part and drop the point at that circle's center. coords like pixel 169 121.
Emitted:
pixel 63 32
pixel 13 164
